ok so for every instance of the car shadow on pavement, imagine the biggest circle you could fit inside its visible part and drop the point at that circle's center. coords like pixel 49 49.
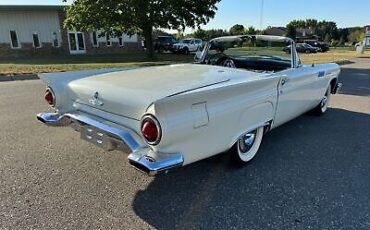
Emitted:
pixel 355 81
pixel 309 172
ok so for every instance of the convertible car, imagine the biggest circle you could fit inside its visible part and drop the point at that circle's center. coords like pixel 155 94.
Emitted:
pixel 165 117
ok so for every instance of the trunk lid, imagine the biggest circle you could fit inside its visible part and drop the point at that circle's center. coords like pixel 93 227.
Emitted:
pixel 129 93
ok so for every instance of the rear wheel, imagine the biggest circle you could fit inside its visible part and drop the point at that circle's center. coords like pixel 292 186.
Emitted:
pixel 324 104
pixel 247 146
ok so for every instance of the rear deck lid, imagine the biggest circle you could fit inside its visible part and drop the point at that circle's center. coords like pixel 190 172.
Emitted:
pixel 129 93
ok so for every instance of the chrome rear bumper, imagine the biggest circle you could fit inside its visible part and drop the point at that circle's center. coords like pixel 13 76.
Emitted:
pixel 119 138
pixel 153 163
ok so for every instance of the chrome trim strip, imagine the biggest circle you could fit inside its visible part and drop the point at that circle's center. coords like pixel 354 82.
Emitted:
pixel 143 162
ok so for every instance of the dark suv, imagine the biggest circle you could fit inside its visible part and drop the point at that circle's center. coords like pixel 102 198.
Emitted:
pixel 323 47
pixel 163 43
pixel 302 48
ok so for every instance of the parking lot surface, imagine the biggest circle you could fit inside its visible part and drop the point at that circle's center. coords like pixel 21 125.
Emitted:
pixel 311 173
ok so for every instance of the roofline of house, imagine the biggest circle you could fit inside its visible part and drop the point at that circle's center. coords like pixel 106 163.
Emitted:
pixel 33 7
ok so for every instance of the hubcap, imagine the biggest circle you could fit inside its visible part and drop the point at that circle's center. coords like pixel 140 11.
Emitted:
pixel 324 101
pixel 246 142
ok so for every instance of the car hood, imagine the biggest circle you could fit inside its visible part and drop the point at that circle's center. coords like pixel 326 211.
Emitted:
pixel 129 93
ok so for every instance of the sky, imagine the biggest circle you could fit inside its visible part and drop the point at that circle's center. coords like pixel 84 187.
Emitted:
pixel 275 12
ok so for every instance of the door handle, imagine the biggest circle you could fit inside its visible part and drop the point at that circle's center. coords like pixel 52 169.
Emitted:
pixel 284 81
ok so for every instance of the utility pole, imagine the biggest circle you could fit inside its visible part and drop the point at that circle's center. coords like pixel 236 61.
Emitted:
pixel 261 15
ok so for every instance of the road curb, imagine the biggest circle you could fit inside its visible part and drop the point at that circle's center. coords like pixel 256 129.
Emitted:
pixel 22 77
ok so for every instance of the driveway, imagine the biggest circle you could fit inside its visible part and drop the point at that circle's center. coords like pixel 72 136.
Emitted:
pixel 312 173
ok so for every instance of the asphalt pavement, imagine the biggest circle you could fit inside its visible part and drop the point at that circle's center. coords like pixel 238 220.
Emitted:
pixel 311 173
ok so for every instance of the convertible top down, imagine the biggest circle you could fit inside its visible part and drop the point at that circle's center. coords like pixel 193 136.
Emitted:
pixel 238 88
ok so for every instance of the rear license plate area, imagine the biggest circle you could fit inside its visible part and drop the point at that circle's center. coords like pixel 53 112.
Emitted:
pixel 98 138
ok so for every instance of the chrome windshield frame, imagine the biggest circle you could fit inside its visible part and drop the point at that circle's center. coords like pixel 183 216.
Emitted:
pixel 271 38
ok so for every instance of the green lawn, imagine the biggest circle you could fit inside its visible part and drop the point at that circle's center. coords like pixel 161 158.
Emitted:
pixel 35 65
pixel 334 55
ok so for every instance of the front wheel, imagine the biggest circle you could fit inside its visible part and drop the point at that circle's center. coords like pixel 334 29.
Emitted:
pixel 321 109
pixel 247 146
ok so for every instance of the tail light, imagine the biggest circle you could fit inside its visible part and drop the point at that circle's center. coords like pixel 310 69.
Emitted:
pixel 49 97
pixel 151 130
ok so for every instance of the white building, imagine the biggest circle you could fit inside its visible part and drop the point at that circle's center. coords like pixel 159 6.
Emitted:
pixel 367 36
pixel 32 30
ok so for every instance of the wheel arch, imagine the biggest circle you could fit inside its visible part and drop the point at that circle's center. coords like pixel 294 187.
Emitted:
pixel 263 114
pixel 333 83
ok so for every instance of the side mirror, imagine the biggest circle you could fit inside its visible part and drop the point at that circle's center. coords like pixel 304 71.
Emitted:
pixel 198 56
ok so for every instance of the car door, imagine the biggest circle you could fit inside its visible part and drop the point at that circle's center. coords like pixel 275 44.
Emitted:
pixel 198 44
pixel 297 93
pixel 192 46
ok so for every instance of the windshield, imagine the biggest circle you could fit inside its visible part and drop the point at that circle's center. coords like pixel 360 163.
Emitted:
pixel 261 53
pixel 164 39
pixel 251 48
pixel 186 41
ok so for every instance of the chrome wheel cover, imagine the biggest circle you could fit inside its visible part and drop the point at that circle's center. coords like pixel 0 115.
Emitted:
pixel 325 101
pixel 246 142
pixel 249 143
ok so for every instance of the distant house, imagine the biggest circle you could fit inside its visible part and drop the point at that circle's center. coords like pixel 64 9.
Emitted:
pixel 276 31
pixel 304 34
pixel 27 30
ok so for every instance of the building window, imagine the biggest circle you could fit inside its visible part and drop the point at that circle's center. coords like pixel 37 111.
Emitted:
pixel 108 41
pixel 14 39
pixel 120 40
pixel 94 38
pixel 36 40
pixel 54 37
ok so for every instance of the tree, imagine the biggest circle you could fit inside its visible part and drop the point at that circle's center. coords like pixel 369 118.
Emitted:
pixel 237 30
pixel 318 28
pixel 356 36
pixel 159 32
pixel 297 24
pixel 207 35
pixel 343 34
pixel 201 34
pixel 139 16
pixel 251 30
pixel 341 41
pixel 179 35
pixel 327 38
pixel 311 23
pixel 291 32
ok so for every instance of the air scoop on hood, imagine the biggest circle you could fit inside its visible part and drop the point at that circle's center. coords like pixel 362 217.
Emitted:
pixel 129 93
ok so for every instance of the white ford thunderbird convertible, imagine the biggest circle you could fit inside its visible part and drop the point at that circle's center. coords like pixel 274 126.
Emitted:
pixel 166 117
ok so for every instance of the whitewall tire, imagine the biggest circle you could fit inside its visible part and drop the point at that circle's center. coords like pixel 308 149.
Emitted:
pixel 247 146
pixel 324 103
